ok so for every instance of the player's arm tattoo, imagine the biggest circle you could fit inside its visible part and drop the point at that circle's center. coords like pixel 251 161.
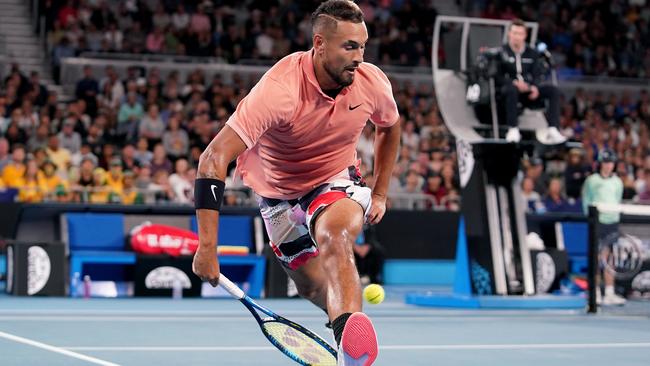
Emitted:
pixel 208 163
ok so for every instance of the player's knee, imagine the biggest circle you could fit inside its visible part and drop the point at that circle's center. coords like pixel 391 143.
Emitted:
pixel 338 227
pixel 337 242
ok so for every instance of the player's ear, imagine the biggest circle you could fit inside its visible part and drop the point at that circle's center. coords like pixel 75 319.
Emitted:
pixel 319 43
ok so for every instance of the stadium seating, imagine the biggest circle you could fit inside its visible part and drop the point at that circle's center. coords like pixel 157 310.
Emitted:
pixel 99 238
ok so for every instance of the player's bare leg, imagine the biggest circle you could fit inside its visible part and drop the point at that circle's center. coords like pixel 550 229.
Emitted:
pixel 335 230
pixel 331 280
pixel 311 282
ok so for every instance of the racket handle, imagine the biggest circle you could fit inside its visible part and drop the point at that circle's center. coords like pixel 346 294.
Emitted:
pixel 232 289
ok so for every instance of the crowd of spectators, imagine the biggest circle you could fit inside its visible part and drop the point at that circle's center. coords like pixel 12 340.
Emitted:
pixel 138 138
pixel 229 31
pixel 123 138
pixel 619 123
pixel 594 37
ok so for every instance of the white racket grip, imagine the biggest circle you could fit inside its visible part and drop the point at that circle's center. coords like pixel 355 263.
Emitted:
pixel 232 289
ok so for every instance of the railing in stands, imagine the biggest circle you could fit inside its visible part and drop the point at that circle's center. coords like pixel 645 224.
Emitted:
pixel 72 68
pixel 242 197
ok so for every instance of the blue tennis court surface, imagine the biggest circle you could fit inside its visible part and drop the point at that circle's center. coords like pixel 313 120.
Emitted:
pixel 61 331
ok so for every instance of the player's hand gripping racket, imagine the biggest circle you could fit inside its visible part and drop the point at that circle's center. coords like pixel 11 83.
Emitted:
pixel 294 340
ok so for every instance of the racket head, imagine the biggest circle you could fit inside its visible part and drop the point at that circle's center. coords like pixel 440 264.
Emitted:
pixel 298 342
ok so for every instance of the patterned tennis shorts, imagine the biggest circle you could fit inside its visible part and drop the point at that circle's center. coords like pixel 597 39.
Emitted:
pixel 290 223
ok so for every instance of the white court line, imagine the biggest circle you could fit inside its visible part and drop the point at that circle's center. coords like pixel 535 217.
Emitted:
pixel 60 350
pixel 405 347
pixel 143 318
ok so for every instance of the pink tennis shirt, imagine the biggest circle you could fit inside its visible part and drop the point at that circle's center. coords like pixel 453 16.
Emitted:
pixel 298 137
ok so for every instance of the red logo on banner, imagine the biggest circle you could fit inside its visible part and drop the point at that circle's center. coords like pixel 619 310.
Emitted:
pixel 151 238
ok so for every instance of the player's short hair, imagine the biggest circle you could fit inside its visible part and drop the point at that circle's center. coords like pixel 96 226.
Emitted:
pixel 517 23
pixel 327 14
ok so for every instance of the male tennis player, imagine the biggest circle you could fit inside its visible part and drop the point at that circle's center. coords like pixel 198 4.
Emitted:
pixel 295 136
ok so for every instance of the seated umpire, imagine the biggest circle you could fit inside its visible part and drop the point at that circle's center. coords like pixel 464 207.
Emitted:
pixel 520 70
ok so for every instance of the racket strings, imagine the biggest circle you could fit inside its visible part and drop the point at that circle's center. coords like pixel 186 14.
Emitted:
pixel 300 344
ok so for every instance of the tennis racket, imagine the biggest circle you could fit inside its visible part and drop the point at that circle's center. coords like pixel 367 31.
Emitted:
pixel 297 342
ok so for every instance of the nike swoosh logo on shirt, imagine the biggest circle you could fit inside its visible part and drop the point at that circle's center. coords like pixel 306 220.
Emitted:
pixel 355 107
pixel 212 187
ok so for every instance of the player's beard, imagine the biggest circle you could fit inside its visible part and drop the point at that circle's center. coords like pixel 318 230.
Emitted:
pixel 340 76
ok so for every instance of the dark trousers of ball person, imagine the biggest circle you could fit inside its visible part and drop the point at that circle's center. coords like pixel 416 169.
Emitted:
pixel 511 96
pixel 372 265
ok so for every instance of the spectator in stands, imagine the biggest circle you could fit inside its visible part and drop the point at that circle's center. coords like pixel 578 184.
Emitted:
pixel 518 81
pixel 175 139
pixel 159 160
pixel 365 147
pixel 5 158
pixel 199 21
pixel 181 182
pixel 40 91
pixel 155 40
pixel 413 182
pixel 15 169
pixel 67 14
pixel 152 126
pixel 164 191
pixel 87 90
pixel 534 169
pixel 448 177
pixel 61 51
pixel 115 175
pixel 143 178
pixel 112 89
pixel 142 154
pixel 39 138
pixel 451 202
pixel 129 116
pixel 84 181
pixel 39 155
pixel 98 191
pixel 85 152
pixel 114 37
pixel 129 162
pixel 532 199
pixel 60 156
pixel 30 184
pixel 28 119
pixel 102 15
pixel 135 42
pixel 644 192
pixel 69 139
pixel 554 200
pixel 409 137
pixel 130 194
pixel 4 121
pixel 53 187
pixel 95 138
pixel 180 19
pixel 575 173
pixel 15 135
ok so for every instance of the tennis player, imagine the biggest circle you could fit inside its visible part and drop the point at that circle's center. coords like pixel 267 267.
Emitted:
pixel 294 137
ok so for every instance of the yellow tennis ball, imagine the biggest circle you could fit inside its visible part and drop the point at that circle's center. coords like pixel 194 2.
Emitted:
pixel 374 294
